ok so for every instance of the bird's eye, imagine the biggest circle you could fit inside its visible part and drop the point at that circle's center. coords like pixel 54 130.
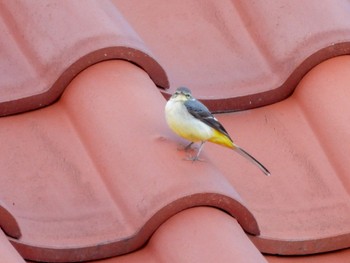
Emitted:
pixel 188 96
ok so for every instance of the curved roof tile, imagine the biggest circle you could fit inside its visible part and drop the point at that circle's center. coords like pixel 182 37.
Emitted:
pixel 203 235
pixel 8 222
pixel 303 207
pixel 240 54
pixel 200 234
pixel 88 161
pixel 7 252
pixel 48 45
pixel 339 256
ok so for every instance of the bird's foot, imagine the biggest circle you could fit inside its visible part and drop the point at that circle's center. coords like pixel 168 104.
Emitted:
pixel 193 158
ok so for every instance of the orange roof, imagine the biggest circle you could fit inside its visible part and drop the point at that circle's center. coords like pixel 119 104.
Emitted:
pixel 97 173
pixel 56 41
pixel 240 54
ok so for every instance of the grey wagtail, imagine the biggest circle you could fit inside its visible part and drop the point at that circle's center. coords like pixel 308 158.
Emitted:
pixel 192 120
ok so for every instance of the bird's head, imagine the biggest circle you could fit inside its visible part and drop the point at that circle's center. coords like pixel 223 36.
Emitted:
pixel 182 94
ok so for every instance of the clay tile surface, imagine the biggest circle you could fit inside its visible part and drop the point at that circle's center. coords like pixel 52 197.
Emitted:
pixel 54 42
pixel 98 174
pixel 304 207
pixel 196 235
pixel 97 165
pixel 340 256
pixel 8 222
pixel 240 54
pixel 7 252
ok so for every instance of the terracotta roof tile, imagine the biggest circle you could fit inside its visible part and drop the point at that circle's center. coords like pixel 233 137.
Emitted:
pixel 8 222
pixel 196 235
pixel 95 174
pixel 98 165
pixel 240 54
pixel 7 253
pixel 54 42
pixel 203 235
pixel 304 206
pixel 334 257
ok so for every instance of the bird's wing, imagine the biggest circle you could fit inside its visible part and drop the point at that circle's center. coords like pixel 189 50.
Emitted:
pixel 201 112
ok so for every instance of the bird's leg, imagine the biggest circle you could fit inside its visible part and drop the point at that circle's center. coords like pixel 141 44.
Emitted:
pixel 186 148
pixel 196 158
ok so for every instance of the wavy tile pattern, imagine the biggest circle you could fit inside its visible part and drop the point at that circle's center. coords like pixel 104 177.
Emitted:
pixel 91 181
pixel 54 42
pixel 97 173
pixel 304 207
pixel 240 54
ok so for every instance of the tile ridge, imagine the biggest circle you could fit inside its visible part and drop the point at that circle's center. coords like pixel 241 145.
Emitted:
pixel 8 253
pixel 8 222
pixel 270 245
pixel 142 195
pixel 282 92
pixel 44 72
pixel 133 55
pixel 129 244
pixel 309 212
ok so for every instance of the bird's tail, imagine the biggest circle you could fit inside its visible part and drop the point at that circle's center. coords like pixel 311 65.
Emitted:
pixel 251 159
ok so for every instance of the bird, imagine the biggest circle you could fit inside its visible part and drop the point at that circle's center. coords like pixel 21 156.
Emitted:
pixel 192 120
